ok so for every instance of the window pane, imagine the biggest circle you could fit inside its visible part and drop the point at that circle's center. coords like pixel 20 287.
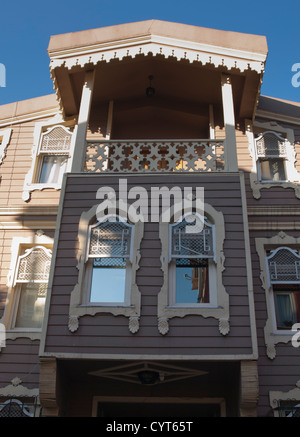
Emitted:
pixel 272 169
pixel 108 280
pixel 53 168
pixel 191 282
pixel 287 304
pixel 31 305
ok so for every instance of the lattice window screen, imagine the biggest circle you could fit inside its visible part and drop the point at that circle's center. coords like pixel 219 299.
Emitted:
pixel 15 408
pixel 284 266
pixel 56 140
pixel 110 239
pixel 192 245
pixel 34 265
pixel 270 145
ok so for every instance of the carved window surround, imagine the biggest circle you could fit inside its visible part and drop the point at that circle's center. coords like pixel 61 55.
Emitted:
pixel 5 135
pixel 38 239
pixel 30 183
pixel 272 335
pixel 221 311
pixel 78 307
pixel 278 396
pixel 17 390
pixel 293 177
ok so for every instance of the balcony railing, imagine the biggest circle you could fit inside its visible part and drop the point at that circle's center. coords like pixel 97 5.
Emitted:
pixel 154 156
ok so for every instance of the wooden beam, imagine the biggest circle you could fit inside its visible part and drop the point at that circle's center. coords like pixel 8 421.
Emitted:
pixel 249 96
pixel 83 118
pixel 229 123
pixel 249 389
pixel 48 377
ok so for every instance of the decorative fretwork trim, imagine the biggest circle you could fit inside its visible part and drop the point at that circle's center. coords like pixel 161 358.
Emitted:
pixel 284 266
pixel 271 144
pixel 34 265
pixel 155 156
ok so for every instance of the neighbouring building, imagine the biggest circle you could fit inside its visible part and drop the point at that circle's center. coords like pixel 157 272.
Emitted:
pixel 111 302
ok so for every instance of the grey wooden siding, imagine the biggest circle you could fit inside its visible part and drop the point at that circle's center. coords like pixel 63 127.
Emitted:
pixel 192 335
pixel 20 358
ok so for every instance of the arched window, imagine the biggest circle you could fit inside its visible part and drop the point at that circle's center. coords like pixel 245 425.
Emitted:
pixel 192 261
pixel 283 266
pixel 109 260
pixel 15 408
pixel 31 287
pixel 271 151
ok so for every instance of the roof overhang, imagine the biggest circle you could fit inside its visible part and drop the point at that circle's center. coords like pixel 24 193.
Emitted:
pixel 229 51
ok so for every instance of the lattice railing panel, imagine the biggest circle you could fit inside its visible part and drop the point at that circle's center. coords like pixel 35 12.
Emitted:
pixel 155 156
pixel 198 244
pixel 34 265
pixel 284 266
pixel 56 140
pixel 271 145
pixel 110 239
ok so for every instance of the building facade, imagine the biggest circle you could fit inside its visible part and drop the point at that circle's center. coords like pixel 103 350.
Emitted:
pixel 149 235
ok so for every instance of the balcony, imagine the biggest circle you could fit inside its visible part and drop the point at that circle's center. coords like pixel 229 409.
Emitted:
pixel 130 156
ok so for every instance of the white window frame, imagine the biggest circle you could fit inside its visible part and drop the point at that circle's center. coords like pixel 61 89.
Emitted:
pixel 219 305
pixel 128 268
pixel 19 282
pixel 5 135
pixel 283 157
pixel 211 269
pixel 272 334
pixel 292 175
pixel 279 282
pixel 79 302
pixel 18 244
pixel 41 129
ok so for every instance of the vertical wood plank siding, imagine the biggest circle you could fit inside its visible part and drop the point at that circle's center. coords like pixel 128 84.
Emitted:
pixel 191 335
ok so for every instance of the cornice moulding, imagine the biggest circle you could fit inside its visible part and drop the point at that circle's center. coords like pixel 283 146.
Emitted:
pixel 167 41
pixel 157 45
pixel 27 117
pixel 278 117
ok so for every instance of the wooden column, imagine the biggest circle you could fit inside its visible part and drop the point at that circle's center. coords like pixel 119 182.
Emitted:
pixel 83 118
pixel 249 389
pixel 229 123
pixel 48 384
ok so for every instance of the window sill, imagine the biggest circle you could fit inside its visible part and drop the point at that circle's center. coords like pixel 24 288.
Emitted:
pixel 31 333
pixel 192 306
pixel 258 185
pixel 106 305
pixel 38 187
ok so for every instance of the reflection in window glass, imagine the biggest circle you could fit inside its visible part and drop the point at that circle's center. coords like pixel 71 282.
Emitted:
pixel 191 281
pixel 287 305
pixel 53 168
pixel 31 305
pixel 108 280
pixel 272 169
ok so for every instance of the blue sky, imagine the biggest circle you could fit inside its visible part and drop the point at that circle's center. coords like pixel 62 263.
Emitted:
pixel 26 27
